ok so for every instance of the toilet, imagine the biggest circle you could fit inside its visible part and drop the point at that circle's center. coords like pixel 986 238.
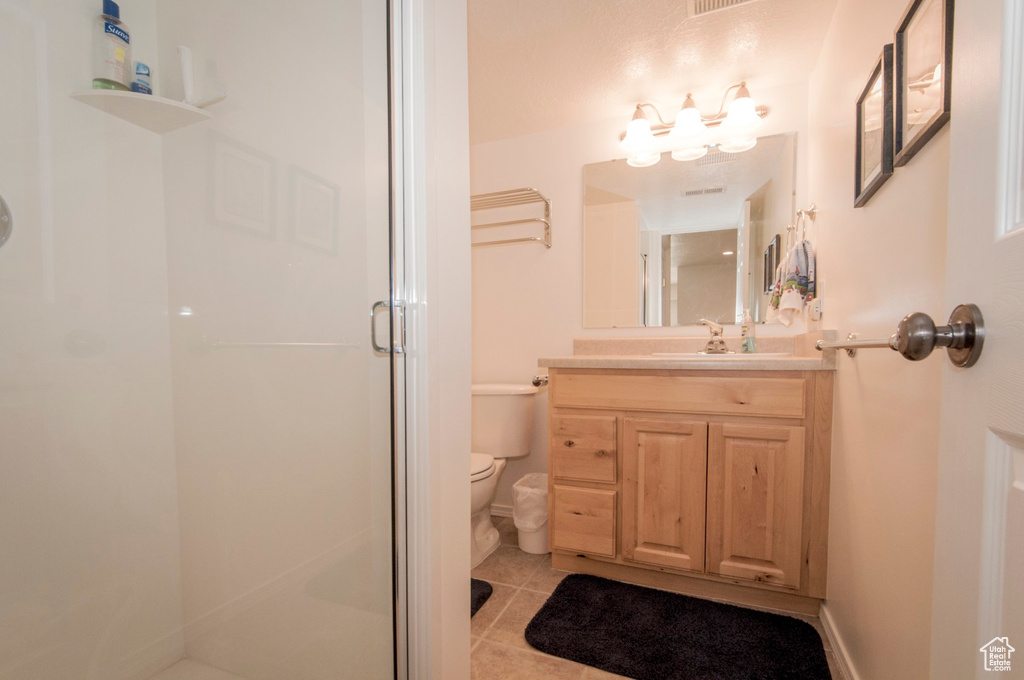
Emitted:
pixel 502 428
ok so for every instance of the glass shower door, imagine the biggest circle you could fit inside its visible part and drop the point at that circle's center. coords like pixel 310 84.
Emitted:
pixel 195 432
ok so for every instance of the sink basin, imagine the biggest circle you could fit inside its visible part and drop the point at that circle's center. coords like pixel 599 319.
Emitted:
pixel 701 355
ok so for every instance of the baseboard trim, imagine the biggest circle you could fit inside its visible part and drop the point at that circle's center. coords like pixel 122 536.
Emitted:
pixel 836 641
pixel 501 510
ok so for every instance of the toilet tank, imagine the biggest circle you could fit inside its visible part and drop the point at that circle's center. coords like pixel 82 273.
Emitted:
pixel 503 419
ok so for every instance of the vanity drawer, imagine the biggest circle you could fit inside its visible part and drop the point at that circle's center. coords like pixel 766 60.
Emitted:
pixel 583 448
pixel 780 397
pixel 583 520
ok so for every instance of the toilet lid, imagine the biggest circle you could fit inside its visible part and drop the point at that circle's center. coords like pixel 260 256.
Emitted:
pixel 481 466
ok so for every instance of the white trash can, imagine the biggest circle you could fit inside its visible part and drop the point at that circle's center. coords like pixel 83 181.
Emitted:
pixel 530 512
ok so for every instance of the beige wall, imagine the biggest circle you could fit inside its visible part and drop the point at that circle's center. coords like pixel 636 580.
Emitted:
pixel 877 264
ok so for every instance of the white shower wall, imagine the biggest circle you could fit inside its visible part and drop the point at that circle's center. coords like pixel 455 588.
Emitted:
pixel 90 583
pixel 160 497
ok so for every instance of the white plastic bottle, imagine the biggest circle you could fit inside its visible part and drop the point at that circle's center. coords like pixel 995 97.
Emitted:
pixel 112 51
pixel 749 345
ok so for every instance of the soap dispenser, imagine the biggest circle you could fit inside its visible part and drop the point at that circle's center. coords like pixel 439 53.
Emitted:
pixel 748 346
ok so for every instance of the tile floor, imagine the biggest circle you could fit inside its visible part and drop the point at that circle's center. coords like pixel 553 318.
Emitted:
pixel 522 583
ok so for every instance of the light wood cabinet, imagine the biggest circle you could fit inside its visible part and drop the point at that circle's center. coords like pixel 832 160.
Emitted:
pixel 584 448
pixel 713 483
pixel 583 520
pixel 755 502
pixel 663 494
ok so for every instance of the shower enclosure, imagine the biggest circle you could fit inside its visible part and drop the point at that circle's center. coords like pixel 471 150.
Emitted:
pixel 196 458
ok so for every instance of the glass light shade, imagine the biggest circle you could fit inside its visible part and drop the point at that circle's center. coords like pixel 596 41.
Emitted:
pixel 643 159
pixel 639 139
pixel 738 144
pixel 689 154
pixel 742 118
pixel 689 127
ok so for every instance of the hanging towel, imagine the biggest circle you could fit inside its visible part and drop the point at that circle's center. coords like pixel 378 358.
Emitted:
pixel 794 285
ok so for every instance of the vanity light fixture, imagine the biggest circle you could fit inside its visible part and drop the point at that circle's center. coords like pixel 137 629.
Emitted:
pixel 691 137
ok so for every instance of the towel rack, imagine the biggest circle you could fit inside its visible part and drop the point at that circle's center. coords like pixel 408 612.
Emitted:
pixel 504 199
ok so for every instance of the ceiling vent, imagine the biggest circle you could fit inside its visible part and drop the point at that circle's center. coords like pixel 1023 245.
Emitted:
pixel 698 7
pixel 704 192
pixel 717 158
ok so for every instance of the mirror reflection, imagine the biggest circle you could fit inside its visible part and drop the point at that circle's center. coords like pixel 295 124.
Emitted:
pixel 677 242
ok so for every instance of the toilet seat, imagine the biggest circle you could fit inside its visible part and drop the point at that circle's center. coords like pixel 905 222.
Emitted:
pixel 481 466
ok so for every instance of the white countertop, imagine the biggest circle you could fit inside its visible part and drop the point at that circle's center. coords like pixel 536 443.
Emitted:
pixel 726 362
pixel 792 353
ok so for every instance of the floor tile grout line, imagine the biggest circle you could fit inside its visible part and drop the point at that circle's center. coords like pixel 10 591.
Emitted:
pixel 537 652
pixel 483 635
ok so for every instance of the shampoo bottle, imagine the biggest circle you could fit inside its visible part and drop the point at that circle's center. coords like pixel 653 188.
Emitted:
pixel 112 51
pixel 747 331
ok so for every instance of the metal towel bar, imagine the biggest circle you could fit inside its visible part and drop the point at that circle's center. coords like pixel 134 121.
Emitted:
pixel 504 199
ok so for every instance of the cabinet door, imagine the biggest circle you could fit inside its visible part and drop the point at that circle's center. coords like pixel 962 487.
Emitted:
pixel 583 448
pixel 663 493
pixel 583 520
pixel 755 502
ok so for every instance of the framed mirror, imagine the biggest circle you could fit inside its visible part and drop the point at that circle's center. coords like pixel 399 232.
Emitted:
pixel 676 242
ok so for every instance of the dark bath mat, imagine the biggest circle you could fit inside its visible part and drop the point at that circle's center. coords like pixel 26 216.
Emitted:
pixel 653 635
pixel 480 591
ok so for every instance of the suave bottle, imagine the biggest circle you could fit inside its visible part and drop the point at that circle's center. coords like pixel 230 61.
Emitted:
pixel 112 51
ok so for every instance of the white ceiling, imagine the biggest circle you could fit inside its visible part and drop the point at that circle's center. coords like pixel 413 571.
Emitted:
pixel 538 65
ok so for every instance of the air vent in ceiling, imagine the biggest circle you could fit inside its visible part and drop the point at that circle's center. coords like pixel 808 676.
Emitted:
pixel 698 7
pixel 716 158
pixel 704 192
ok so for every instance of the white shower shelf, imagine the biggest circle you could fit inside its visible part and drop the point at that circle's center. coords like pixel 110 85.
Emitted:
pixel 153 113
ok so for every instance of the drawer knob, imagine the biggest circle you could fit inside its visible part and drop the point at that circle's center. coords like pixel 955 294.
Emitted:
pixel 569 443
pixel 602 453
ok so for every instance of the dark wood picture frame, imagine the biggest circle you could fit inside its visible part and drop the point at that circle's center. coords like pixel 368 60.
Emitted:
pixel 771 263
pixel 906 148
pixel 883 76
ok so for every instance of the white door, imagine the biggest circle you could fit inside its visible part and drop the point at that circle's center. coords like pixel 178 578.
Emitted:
pixel 979 560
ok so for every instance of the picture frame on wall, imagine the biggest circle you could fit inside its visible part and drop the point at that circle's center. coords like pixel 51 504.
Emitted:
pixel 923 59
pixel 875 130
pixel 771 263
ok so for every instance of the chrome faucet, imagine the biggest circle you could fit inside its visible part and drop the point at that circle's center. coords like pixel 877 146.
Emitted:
pixel 716 345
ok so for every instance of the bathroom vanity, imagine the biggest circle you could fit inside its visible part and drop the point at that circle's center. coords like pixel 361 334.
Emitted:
pixel 699 474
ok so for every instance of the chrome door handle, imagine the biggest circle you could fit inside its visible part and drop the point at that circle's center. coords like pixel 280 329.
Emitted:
pixel 399 325
pixel 963 337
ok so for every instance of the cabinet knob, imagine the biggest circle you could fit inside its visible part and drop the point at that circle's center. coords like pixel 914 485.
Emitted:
pixel 602 453
pixel 569 443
